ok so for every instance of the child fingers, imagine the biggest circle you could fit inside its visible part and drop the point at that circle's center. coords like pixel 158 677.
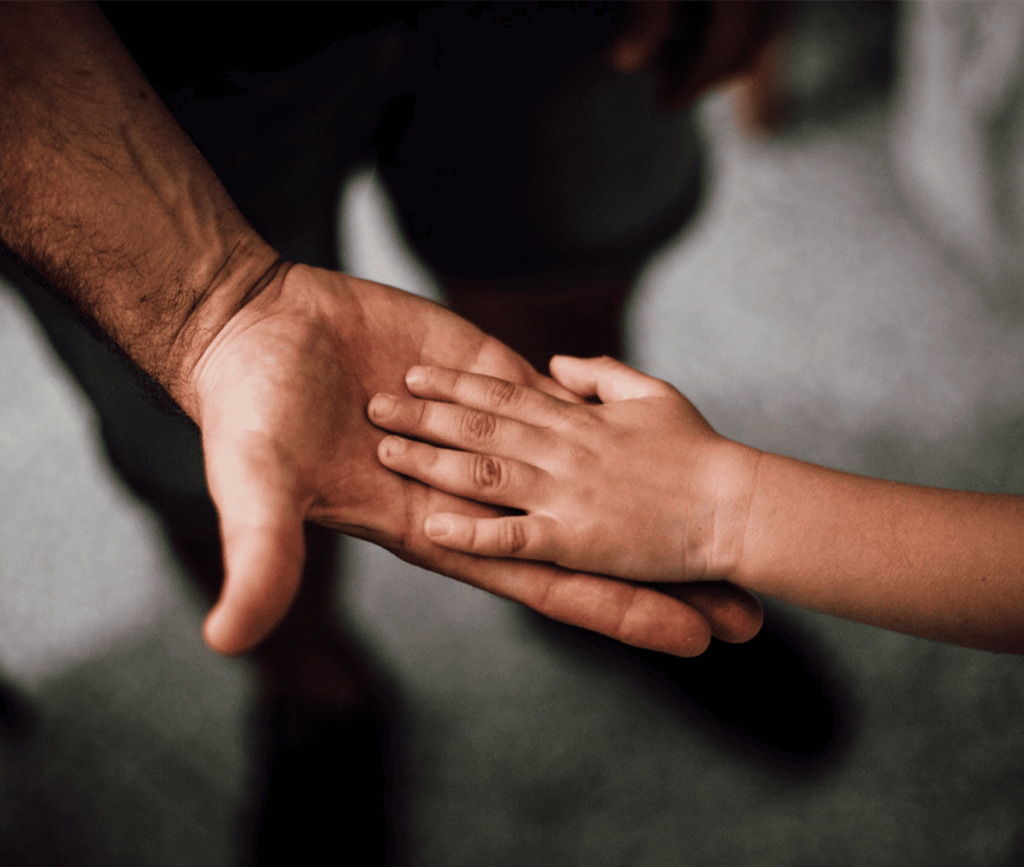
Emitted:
pixel 521 537
pixel 483 478
pixel 451 425
pixel 506 399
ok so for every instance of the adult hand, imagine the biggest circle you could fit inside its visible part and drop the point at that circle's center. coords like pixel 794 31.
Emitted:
pixel 104 196
pixel 279 395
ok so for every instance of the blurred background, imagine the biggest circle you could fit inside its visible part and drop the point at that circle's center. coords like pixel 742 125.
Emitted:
pixel 850 295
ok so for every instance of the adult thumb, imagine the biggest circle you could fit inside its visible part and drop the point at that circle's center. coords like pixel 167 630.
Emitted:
pixel 261 530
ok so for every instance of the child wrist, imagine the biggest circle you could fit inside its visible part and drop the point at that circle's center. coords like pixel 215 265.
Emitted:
pixel 733 481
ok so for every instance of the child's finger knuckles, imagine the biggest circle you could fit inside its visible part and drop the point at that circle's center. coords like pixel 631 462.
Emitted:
pixel 478 428
pixel 500 394
pixel 512 536
pixel 488 473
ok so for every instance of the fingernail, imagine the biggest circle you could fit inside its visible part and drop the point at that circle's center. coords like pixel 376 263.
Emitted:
pixel 416 376
pixel 393 446
pixel 382 405
pixel 436 527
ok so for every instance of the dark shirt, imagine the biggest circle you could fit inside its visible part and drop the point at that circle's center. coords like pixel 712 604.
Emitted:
pixel 180 44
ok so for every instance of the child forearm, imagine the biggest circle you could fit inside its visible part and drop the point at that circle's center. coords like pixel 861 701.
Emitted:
pixel 945 565
pixel 641 487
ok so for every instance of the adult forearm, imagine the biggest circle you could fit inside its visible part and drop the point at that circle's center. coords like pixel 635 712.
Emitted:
pixel 105 197
pixel 946 565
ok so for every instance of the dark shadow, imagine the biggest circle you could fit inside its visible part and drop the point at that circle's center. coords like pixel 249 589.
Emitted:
pixel 18 719
pixel 774 698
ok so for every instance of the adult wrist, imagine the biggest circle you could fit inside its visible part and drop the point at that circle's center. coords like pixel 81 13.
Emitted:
pixel 239 279
pixel 105 199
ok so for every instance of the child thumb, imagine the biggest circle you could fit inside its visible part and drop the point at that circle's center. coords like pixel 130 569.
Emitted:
pixel 603 377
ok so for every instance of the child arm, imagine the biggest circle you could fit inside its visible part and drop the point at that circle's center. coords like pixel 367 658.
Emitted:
pixel 640 486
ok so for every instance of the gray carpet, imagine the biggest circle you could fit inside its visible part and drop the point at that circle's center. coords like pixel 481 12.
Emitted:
pixel 809 312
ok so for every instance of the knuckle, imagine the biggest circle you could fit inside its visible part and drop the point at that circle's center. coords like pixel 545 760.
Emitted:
pixel 478 427
pixel 503 394
pixel 511 537
pixel 488 472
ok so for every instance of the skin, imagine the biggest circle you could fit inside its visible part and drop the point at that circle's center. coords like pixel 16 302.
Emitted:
pixel 739 31
pixel 280 397
pixel 642 485
pixel 104 197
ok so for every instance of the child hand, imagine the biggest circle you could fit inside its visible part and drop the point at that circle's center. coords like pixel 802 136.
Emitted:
pixel 638 486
